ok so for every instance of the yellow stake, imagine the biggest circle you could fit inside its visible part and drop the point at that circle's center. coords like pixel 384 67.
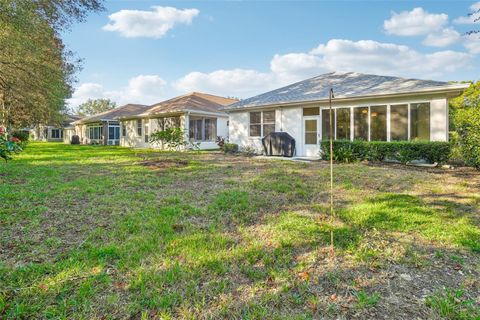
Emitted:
pixel 332 214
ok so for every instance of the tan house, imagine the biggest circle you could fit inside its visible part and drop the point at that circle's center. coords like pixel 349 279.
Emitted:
pixel 54 132
pixel 198 114
pixel 365 107
pixel 103 128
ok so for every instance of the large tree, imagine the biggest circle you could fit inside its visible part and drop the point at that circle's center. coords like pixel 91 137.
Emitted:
pixel 36 70
pixel 91 107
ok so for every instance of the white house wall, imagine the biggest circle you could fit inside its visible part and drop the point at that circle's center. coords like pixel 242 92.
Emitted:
pixel 439 120
pixel 290 119
pixel 134 141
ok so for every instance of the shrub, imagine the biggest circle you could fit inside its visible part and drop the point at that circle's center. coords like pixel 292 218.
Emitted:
pixel 9 145
pixel 220 141
pixel 403 151
pixel 249 150
pixel 468 128
pixel 173 138
pixel 230 147
pixel 21 135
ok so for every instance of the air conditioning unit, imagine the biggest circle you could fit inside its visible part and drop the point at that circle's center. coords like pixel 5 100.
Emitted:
pixel 110 142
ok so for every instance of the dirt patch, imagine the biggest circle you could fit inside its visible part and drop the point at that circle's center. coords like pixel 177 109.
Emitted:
pixel 164 163
pixel 461 171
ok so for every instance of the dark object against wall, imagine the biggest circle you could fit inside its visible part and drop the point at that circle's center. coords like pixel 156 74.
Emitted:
pixel 279 144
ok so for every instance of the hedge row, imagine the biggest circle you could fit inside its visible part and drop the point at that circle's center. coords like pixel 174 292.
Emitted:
pixel 403 151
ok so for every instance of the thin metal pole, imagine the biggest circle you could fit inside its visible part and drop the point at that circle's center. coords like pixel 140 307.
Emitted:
pixel 332 213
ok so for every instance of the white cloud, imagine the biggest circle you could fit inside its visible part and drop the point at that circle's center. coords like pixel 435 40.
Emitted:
pixel 366 56
pixel 443 38
pixel 387 58
pixel 470 19
pixel 292 67
pixel 414 23
pixel 235 82
pixel 150 24
pixel 472 43
pixel 143 89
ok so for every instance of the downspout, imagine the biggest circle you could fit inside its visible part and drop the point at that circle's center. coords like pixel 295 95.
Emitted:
pixel 186 127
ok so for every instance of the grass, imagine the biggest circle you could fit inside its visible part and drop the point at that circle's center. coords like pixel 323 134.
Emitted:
pixel 451 304
pixel 108 232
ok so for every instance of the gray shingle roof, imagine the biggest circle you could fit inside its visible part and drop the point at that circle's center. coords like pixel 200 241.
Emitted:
pixel 345 85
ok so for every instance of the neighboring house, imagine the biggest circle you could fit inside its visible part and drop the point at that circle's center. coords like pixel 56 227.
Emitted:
pixel 52 132
pixel 365 107
pixel 104 128
pixel 198 114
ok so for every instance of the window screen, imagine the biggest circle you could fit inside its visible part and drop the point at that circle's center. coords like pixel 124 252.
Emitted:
pixel 343 124
pixel 326 124
pixel 420 121
pixel 378 123
pixel 360 123
pixel 399 122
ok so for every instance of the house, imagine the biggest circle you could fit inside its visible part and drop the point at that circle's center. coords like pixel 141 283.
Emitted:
pixel 365 107
pixel 198 114
pixel 54 132
pixel 104 128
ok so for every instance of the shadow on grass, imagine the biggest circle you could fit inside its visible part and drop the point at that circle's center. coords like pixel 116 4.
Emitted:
pixel 407 213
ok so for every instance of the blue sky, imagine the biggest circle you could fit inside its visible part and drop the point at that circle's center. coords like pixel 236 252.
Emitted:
pixel 147 51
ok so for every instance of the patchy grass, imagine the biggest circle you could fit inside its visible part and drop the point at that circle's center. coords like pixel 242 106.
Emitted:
pixel 108 232
pixel 452 304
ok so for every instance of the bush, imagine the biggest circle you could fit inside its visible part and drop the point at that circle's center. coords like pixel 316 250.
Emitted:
pixel 21 135
pixel 468 128
pixel 9 145
pixel 403 151
pixel 230 147
pixel 220 141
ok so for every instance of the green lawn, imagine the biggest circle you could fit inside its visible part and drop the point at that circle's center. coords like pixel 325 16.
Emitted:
pixel 93 232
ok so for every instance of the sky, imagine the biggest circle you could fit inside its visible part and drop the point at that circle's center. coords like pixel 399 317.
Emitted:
pixel 148 51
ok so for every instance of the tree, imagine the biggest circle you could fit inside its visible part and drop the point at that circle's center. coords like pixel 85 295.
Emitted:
pixel 475 17
pixel 36 70
pixel 91 107
pixel 465 113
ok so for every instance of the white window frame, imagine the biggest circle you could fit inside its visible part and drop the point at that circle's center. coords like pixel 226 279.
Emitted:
pixel 203 139
pixel 57 130
pixel 146 130
pixel 352 119
pixel 114 126
pixel 139 125
pixel 92 129
pixel 262 123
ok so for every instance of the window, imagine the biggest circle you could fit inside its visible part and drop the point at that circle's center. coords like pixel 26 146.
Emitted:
pixel 124 130
pixel 378 123
pixel 360 123
pixel 343 124
pixel 95 133
pixel 399 122
pixel 147 138
pixel 203 129
pixel 311 111
pixel 57 133
pixel 210 129
pixel 169 122
pixel 255 124
pixel 262 123
pixel 113 132
pixel 420 121
pixel 310 131
pixel 139 127
pixel 326 124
